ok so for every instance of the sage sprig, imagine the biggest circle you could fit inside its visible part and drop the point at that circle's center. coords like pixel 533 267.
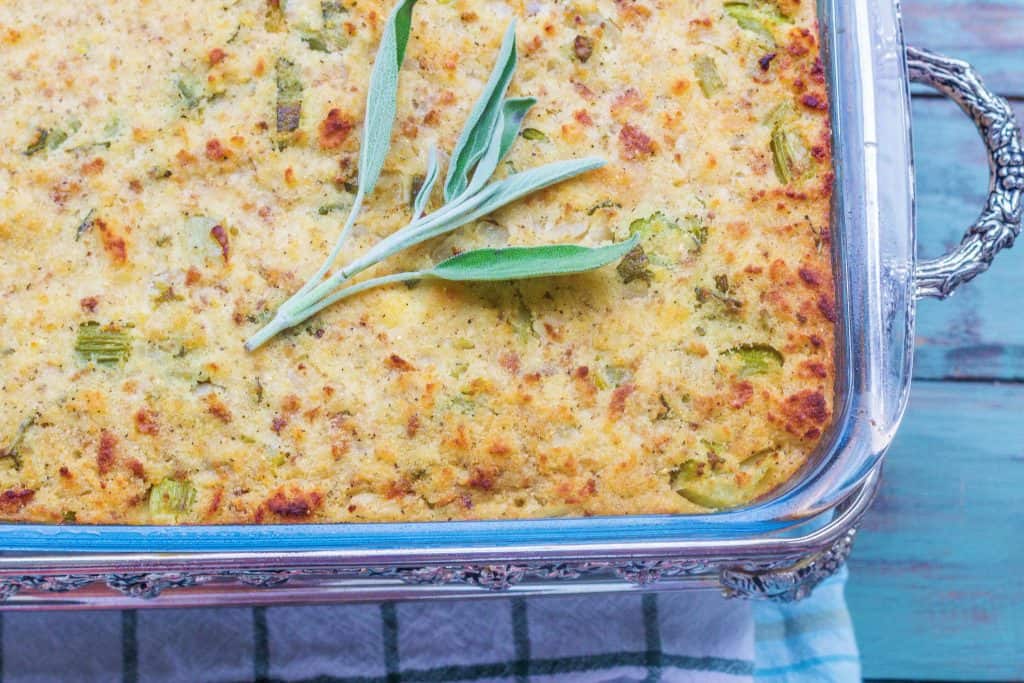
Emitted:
pixel 489 133
pixel 509 263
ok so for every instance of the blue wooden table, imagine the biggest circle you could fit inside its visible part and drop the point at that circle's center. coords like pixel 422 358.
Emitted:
pixel 937 577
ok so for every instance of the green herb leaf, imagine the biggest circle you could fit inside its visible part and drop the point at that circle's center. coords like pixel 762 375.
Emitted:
pixel 492 128
pixel 419 204
pixel 13 451
pixel 534 135
pixel 289 95
pixel 603 204
pixel 381 99
pixel 189 90
pixel 520 263
pixel 325 209
pixel 381 105
pixel 57 138
pixel 634 266
pixel 513 111
pixel 487 265
pixel 85 224
pixel 490 199
pixel 38 143
pixel 479 128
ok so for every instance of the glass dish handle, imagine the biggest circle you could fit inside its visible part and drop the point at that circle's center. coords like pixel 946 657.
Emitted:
pixel 999 224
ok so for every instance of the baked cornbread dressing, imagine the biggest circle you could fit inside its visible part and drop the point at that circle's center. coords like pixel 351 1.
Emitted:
pixel 170 172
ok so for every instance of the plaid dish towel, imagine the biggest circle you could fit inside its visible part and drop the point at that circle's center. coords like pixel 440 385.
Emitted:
pixel 638 636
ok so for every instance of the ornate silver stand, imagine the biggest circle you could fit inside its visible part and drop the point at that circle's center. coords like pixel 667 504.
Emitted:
pixel 784 568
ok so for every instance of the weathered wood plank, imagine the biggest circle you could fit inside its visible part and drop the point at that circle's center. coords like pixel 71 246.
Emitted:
pixel 979 332
pixel 987 33
pixel 936 589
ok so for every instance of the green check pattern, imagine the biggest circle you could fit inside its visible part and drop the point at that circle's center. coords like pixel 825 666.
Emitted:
pixel 636 636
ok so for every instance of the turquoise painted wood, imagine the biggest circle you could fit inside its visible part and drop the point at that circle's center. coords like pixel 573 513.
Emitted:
pixel 937 577
pixel 936 586
pixel 986 33
pixel 978 333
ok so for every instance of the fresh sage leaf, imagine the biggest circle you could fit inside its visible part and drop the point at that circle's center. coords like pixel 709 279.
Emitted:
pixel 489 133
pixel 381 99
pixel 423 195
pixel 490 199
pixel 381 105
pixel 479 129
pixel 520 263
pixel 488 265
pixel 513 111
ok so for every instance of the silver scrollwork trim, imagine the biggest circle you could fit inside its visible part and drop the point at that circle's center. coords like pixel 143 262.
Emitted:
pixel 999 223
pixel 782 581
pixel 148 586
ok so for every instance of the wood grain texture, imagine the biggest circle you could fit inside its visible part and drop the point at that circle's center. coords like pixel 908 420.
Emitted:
pixel 936 583
pixel 936 586
pixel 979 332
pixel 987 33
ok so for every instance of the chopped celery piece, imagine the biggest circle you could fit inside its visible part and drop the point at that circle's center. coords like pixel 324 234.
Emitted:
pixel 708 77
pixel 651 226
pixel 780 114
pixel 171 497
pixel 699 483
pixel 788 154
pixel 661 237
pixel 103 345
pixel 289 95
pixel 534 135
pixel 757 19
pixel 189 91
pixel 757 359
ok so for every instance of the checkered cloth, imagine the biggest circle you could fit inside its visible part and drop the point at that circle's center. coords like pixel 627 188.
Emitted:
pixel 637 636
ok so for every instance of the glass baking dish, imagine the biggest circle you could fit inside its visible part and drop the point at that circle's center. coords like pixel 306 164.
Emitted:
pixel 780 547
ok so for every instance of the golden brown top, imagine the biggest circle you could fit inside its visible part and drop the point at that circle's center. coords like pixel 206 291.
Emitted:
pixel 152 204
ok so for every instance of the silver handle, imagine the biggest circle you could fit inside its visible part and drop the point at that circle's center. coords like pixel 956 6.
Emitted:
pixel 999 224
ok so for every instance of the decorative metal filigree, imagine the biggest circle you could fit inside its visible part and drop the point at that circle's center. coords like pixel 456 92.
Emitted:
pixel 149 586
pixel 495 577
pixel 770 578
pixel 785 581
pixel 642 572
pixel 263 579
pixel 12 585
pixel 999 223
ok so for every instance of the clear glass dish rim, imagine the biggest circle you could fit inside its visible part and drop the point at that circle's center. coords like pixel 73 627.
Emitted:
pixel 874 252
